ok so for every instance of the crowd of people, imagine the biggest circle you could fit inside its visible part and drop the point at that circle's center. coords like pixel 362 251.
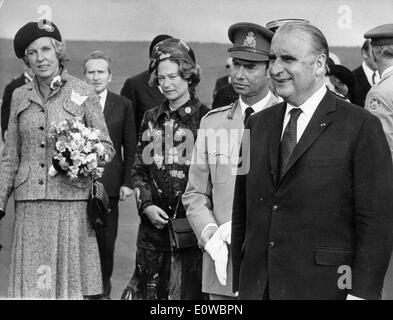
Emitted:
pixel 266 195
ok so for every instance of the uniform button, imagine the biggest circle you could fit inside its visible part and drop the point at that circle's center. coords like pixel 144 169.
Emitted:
pixel 41 128
pixel 271 244
pixel 42 165
pixel 41 182
pixel 42 145
pixel 275 208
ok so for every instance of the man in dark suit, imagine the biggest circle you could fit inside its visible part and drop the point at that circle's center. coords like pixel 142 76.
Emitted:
pixel 17 82
pixel 313 217
pixel 224 94
pixel 119 118
pixel 137 89
pixel 366 75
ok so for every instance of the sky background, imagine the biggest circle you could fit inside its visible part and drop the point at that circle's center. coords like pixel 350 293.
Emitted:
pixel 343 22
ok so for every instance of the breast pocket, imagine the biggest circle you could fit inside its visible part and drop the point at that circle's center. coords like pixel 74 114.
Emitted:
pixel 325 169
pixel 73 109
pixel 221 162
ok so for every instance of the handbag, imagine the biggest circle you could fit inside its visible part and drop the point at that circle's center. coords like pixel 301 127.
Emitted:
pixel 98 205
pixel 181 234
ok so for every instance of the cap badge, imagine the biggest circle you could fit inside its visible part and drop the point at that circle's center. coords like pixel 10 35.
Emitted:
pixel 187 110
pixel 374 104
pixel 48 28
pixel 250 40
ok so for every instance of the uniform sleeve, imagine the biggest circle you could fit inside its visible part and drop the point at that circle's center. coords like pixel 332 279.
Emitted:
pixel 11 153
pixel 197 198
pixel 129 143
pixel 94 118
pixel 140 172
pixel 381 105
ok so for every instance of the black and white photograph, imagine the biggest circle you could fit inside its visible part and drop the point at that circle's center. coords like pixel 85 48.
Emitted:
pixel 191 150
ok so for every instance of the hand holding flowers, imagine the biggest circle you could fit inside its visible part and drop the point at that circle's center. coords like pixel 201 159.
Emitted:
pixel 78 150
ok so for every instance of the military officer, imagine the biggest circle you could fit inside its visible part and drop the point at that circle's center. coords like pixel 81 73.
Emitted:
pixel 209 193
pixel 379 101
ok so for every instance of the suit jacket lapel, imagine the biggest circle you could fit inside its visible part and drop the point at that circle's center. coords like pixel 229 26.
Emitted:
pixel 318 123
pixel 275 130
pixel 109 106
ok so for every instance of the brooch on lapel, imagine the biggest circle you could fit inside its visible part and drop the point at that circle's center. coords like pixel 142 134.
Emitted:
pixel 57 82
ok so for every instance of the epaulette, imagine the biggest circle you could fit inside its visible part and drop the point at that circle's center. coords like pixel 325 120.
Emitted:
pixel 216 110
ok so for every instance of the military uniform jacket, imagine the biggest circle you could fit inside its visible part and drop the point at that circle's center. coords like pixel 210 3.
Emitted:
pixel 28 151
pixel 162 160
pixel 209 194
pixel 379 102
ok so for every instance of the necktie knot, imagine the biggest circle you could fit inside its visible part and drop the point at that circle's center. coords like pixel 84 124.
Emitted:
pixel 247 113
pixel 295 113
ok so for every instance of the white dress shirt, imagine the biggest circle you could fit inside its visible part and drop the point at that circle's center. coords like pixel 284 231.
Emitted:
pixel 259 106
pixel 308 109
pixel 369 74
pixel 102 96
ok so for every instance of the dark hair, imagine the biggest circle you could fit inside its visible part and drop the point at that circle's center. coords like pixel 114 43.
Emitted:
pixel 366 45
pixel 95 55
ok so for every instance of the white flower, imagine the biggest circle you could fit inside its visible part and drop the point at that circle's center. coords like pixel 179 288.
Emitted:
pixel 56 82
pixel 99 147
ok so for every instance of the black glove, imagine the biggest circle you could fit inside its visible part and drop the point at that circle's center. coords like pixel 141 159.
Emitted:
pixel 56 165
pixel 2 214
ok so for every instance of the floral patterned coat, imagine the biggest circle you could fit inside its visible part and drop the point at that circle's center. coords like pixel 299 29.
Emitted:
pixel 162 160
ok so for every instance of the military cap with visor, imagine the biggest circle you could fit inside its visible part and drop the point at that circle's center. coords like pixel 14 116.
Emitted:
pixel 381 35
pixel 250 41
pixel 31 31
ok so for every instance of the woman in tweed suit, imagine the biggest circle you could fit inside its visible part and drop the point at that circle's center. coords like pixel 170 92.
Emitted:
pixel 54 250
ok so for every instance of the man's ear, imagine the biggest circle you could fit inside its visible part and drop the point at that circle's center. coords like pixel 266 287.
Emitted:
pixel 320 63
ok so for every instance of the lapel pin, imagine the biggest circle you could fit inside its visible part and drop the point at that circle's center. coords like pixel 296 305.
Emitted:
pixel 323 124
pixel 187 110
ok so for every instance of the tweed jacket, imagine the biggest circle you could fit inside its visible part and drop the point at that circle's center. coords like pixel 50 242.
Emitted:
pixel 28 151
pixel 209 194
pixel 5 107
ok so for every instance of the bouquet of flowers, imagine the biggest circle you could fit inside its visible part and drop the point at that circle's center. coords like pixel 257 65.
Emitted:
pixel 79 151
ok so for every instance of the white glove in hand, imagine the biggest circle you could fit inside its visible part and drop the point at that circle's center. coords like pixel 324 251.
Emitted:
pixel 225 230
pixel 218 250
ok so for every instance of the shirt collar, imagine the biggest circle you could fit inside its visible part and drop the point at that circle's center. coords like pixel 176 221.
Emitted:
pixel 27 76
pixel 386 71
pixel 369 73
pixel 259 106
pixel 311 104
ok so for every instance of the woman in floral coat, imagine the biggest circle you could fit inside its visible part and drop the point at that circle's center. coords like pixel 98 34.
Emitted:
pixel 160 175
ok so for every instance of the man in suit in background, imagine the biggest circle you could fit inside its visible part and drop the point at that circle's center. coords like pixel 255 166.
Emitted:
pixel 366 75
pixel 17 82
pixel 209 194
pixel 137 89
pixel 119 118
pixel 224 94
pixel 313 217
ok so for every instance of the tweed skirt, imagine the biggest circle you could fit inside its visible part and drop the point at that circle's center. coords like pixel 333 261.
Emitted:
pixel 54 252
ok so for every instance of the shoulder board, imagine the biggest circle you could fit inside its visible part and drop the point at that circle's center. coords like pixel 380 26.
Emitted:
pixel 216 110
